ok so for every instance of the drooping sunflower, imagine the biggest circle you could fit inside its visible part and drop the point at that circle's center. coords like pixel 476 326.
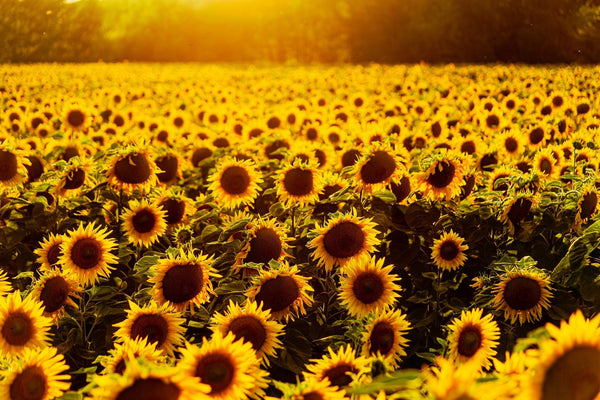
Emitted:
pixel 22 324
pixel 37 374
pixel 473 338
pixel 299 184
pixel 341 368
pixel 12 166
pixel 499 179
pixel 282 291
pixel 345 237
pixel 158 324
pixel 127 351
pixel 74 177
pixel 267 240
pixel 443 177
pixel 56 290
pixel 567 365
pixel 144 380
pixel 448 252
pixel 587 205
pixel 522 294
pixel 227 365
pixel 368 286
pixel 518 209
pixel 171 166
pixel 385 336
pixel 176 205
pixel 235 183
pixel 49 251
pixel 86 254
pixel 183 280
pixel 251 324
pixel 144 222
pixel 376 167
pixel 131 168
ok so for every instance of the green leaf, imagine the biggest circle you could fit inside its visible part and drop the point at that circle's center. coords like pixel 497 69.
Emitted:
pixel 70 396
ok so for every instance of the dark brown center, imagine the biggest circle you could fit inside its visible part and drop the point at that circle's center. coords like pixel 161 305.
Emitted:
pixel 278 293
pixel 344 240
pixel 522 293
pixel 143 220
pixel 86 253
pixel 35 169
pixel 174 210
pixel 536 135
pixel 216 370
pixel 449 250
pixel 511 145
pixel 235 180
pixel 588 205
pixel 133 169
pixel 250 329
pixel 199 155
pixel 74 178
pixel 380 167
pixel 382 338
pixel 150 389
pixel 368 287
pixel 169 165
pixel 76 118
pixel 298 182
pixel 53 254
pixel 573 375
pixel 8 165
pixel 54 294
pixel 153 327
pixel 29 384
pixel 350 157
pixel 519 210
pixel 469 340
pixel 182 283
pixel 17 329
pixel 338 375
pixel 443 175
pixel 401 189
pixel 264 246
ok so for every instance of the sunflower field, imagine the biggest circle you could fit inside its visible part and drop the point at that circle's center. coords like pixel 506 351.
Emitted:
pixel 299 232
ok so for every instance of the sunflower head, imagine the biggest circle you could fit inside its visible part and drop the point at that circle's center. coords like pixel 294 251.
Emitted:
pixel 375 169
pixel 299 183
pixel 144 222
pixel 183 280
pixel 56 290
pixel 385 336
pixel 341 368
pixel 132 168
pixel 442 177
pixel 49 251
pixel 235 183
pixel 448 252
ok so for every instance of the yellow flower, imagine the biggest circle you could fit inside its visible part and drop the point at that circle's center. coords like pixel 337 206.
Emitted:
pixel 472 338
pixel 234 183
pixel 447 252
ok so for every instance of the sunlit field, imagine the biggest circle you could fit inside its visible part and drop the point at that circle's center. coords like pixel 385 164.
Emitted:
pixel 198 231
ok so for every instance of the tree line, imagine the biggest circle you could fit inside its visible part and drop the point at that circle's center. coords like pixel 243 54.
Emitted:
pixel 385 31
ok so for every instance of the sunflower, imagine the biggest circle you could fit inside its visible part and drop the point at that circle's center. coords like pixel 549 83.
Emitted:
pixel 127 351
pixel 22 324
pixel 518 210
pixel 143 380
pixel 35 375
pixel 545 163
pixel 235 183
pixel 49 251
pixel 536 137
pixel 587 205
pixel 251 324
pixel 505 173
pixel 314 389
pixel 85 254
pixel 170 164
pixel 345 237
pixel 267 240
pixel 158 324
pixel 76 118
pixel 367 286
pixel 472 338
pixel 282 291
pixel 567 364
pixel 375 169
pixel 56 290
pixel 177 207
pixel 12 165
pixel 227 365
pixel 448 252
pixel 5 285
pixel 144 222
pixel 132 168
pixel 299 184
pixel 183 280
pixel 385 336
pixel 522 294
pixel 341 368
pixel 443 177
pixel 74 177
pixel 333 184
